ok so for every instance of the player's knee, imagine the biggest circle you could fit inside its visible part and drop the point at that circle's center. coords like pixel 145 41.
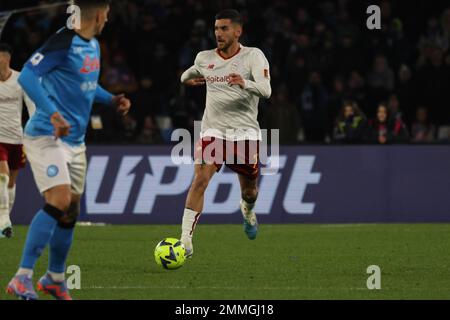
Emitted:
pixel 250 195
pixel 69 220
pixel 62 202
pixel 74 211
pixel 59 197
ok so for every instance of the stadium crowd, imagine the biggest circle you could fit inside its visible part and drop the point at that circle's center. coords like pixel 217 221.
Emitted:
pixel 333 79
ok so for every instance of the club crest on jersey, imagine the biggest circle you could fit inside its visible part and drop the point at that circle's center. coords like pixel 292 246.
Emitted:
pixel 52 171
pixel 90 65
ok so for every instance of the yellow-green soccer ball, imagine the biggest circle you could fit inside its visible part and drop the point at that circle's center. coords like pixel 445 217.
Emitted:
pixel 170 254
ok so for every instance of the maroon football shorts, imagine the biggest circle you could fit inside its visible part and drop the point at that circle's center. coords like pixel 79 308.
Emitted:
pixel 13 154
pixel 241 157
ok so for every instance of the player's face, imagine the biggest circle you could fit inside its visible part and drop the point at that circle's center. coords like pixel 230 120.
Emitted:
pixel 226 33
pixel 5 59
pixel 102 18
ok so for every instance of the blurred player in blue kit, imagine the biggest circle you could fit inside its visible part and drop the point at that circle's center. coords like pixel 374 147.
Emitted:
pixel 62 79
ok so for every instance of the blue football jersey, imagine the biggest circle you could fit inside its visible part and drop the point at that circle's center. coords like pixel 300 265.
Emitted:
pixel 68 69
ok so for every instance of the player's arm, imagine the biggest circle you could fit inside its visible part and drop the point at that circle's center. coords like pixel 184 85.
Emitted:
pixel 121 103
pixel 260 86
pixel 31 107
pixel 193 75
pixel 47 58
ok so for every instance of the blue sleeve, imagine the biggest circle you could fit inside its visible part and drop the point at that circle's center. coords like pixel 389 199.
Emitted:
pixel 43 61
pixel 102 96
pixel 52 53
pixel 32 86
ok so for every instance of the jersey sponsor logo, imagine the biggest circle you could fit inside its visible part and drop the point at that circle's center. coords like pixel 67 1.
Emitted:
pixel 211 66
pixel 90 65
pixel 52 171
pixel 37 58
pixel 78 50
pixel 138 183
pixel 266 73
pixel 89 86
pixel 217 79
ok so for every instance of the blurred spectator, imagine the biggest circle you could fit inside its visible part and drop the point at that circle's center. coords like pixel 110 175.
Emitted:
pixel 350 124
pixel 434 79
pixel 394 107
pixel 296 75
pixel 118 77
pixel 335 100
pixel 283 115
pixel 381 77
pixel 149 133
pixel 385 129
pixel 144 100
pixel 406 91
pixel 313 109
pixel 422 129
pixel 357 90
pixel 128 128
pixel 381 80
pixel 348 56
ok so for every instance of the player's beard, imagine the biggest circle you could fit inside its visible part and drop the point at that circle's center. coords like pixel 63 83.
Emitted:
pixel 225 45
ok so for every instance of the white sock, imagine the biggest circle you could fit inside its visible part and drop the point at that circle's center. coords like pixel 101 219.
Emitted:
pixel 12 197
pixel 190 219
pixel 247 208
pixel 4 201
pixel 57 277
pixel 22 271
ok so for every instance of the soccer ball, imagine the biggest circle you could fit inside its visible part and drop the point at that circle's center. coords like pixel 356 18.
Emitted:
pixel 170 254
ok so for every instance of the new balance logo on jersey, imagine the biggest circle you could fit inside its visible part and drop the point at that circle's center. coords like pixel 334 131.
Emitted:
pixel 211 66
pixel 90 65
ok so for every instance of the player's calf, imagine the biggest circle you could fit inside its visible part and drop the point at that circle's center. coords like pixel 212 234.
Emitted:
pixel 190 219
pixel 247 205
pixel 194 204
pixel 5 222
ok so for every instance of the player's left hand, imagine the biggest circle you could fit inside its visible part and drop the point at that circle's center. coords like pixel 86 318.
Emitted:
pixel 236 79
pixel 122 104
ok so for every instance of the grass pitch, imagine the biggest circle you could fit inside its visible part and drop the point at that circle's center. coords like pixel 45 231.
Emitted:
pixel 284 262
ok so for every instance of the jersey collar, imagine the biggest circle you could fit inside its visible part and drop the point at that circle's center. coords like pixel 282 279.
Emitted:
pixel 237 52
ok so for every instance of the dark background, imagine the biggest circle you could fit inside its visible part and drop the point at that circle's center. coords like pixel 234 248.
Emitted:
pixel 321 54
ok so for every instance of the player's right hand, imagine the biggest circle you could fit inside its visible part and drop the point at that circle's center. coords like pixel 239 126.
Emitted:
pixel 196 82
pixel 62 127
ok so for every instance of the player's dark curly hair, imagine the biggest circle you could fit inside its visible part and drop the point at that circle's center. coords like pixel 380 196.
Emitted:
pixel 4 47
pixel 231 14
pixel 85 4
